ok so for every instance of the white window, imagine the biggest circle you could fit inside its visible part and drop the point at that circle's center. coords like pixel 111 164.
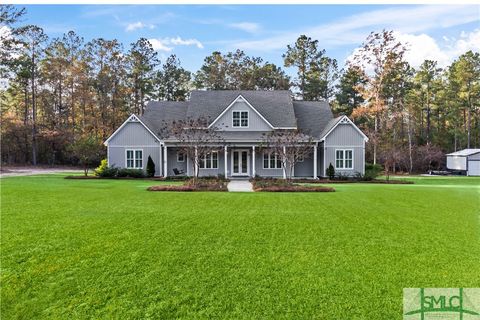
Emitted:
pixel 343 159
pixel 134 159
pixel 180 157
pixel 271 160
pixel 240 119
pixel 209 161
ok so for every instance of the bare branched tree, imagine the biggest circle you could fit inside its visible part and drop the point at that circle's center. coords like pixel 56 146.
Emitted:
pixel 195 140
pixel 292 146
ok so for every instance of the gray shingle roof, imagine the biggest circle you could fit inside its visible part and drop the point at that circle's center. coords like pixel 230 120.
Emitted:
pixel 159 113
pixel 330 125
pixel 275 106
pixel 312 116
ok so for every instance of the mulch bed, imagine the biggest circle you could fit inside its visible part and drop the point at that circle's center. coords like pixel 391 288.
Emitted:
pixel 277 185
pixel 327 181
pixel 294 188
pixel 115 178
pixel 202 185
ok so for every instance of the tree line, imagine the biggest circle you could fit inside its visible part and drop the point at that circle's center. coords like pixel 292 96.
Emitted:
pixel 66 89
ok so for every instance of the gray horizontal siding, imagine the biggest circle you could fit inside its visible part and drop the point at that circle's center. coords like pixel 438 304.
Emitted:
pixel 117 156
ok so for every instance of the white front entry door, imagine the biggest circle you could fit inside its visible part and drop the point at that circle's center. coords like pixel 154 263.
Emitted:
pixel 240 162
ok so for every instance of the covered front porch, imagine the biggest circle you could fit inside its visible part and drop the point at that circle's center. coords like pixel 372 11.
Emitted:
pixel 236 161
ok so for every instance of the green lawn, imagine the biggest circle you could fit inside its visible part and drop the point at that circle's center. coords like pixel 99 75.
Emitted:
pixel 78 249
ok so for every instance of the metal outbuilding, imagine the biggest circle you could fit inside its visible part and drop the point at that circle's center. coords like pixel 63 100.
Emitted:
pixel 467 160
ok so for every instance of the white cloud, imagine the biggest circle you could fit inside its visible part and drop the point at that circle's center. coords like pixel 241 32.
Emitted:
pixel 185 42
pixel 250 27
pixel 138 25
pixel 421 47
pixel 168 44
pixel 159 45
pixel 354 29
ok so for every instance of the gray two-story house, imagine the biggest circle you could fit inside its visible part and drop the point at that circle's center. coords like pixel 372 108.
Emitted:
pixel 242 119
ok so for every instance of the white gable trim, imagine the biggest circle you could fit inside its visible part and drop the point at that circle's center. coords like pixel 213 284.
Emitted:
pixel 132 118
pixel 345 120
pixel 233 103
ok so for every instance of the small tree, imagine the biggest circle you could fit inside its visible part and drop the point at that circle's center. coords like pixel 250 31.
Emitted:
pixel 195 139
pixel 331 172
pixel 88 151
pixel 291 146
pixel 150 167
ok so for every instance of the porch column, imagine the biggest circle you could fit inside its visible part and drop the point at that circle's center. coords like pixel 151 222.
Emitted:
pixel 315 161
pixel 253 162
pixel 196 162
pixel 225 156
pixel 284 163
pixel 165 160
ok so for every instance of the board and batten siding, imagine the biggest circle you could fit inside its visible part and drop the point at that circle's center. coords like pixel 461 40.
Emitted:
pixel 255 122
pixel 345 136
pixel 134 135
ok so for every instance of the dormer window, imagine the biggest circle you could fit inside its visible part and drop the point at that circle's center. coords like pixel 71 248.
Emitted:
pixel 240 119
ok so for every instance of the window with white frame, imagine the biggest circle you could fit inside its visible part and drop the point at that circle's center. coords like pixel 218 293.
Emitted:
pixel 180 156
pixel 209 161
pixel 134 159
pixel 240 119
pixel 271 160
pixel 344 159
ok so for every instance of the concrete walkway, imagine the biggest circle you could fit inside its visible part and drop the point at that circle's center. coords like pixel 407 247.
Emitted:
pixel 240 186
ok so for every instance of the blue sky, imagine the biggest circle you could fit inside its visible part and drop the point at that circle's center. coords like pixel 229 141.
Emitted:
pixel 439 32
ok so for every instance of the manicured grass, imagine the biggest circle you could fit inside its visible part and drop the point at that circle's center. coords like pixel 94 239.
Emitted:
pixel 78 249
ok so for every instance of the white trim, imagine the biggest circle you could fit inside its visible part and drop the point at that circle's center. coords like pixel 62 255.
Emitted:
pixel 254 172
pixel 225 160
pixel 181 153
pixel 315 160
pixel 165 161
pixel 269 159
pixel 136 146
pixel 131 118
pixel 324 161
pixel 284 163
pixel 344 120
pixel 343 146
pixel 211 161
pixel 240 119
pixel 344 159
pixel 248 103
pixel 134 159
pixel 239 166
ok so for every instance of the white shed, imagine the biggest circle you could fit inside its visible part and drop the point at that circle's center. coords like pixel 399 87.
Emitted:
pixel 467 160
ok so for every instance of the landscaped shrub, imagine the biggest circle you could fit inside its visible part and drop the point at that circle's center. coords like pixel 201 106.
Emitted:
pixel 131 173
pixel 372 171
pixel 331 172
pixel 150 167
pixel 104 171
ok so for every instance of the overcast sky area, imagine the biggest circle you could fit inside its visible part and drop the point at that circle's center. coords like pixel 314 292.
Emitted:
pixel 440 32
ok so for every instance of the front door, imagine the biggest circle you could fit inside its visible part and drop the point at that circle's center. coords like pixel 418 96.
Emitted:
pixel 240 162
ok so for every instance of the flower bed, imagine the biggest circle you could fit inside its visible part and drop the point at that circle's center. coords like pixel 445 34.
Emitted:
pixel 277 185
pixel 189 185
pixel 327 181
